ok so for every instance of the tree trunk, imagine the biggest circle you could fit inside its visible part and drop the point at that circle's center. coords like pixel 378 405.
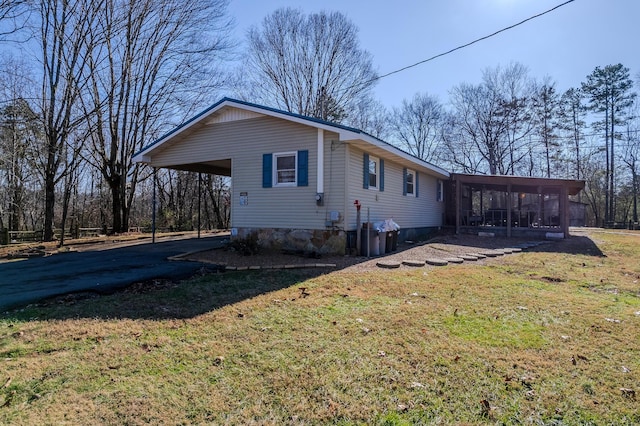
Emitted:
pixel 635 184
pixel 612 197
pixel 49 199
pixel 116 204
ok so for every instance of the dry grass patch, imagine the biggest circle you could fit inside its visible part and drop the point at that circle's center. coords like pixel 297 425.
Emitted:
pixel 528 338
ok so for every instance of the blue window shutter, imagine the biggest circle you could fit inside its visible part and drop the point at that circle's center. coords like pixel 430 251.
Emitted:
pixel 303 168
pixel 404 181
pixel 381 186
pixel 365 171
pixel 415 184
pixel 267 170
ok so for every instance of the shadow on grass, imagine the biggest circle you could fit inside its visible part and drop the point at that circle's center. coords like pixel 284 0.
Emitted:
pixel 575 244
pixel 160 299
pixel 572 245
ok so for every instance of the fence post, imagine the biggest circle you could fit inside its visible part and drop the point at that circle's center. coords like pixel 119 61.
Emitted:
pixel 4 237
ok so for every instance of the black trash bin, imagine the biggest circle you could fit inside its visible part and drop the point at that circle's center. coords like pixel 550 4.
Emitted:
pixel 389 246
pixel 394 240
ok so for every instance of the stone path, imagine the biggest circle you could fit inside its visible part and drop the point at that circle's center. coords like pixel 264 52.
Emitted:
pixel 432 258
pixel 458 259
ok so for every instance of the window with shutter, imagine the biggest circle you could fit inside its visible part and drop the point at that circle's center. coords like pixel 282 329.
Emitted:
pixel 285 169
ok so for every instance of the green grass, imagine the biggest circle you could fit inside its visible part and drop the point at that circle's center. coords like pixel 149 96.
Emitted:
pixel 532 338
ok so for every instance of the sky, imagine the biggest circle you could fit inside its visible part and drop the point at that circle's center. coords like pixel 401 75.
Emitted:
pixel 566 44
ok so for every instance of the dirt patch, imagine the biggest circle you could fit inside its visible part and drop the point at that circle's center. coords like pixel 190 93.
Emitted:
pixel 443 246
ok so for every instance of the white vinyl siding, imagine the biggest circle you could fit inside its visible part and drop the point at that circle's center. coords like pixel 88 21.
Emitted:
pixel 334 177
pixel 245 142
pixel 408 212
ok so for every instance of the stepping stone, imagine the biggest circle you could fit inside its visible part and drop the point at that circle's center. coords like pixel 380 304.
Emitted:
pixel 436 262
pixel 492 253
pixel 477 255
pixel 454 260
pixel 468 257
pixel 412 262
pixel 388 264
pixel 515 249
pixel 505 250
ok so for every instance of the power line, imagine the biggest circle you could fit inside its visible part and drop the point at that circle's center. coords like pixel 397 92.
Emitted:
pixel 463 45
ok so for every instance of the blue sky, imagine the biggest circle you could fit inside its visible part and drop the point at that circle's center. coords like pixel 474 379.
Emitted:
pixel 566 44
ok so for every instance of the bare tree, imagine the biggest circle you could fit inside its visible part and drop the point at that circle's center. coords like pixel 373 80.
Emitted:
pixel 64 29
pixel 494 117
pixel 13 16
pixel 218 195
pixel 417 126
pixel 631 155
pixel 514 90
pixel 20 131
pixel 461 154
pixel 310 65
pixel 572 120
pixel 145 59
pixel 596 183
pixel 370 116
pixel 545 113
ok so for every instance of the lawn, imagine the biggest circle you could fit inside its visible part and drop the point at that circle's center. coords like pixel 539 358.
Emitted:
pixel 531 338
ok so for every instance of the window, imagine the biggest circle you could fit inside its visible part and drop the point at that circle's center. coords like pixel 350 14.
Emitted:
pixel 440 191
pixel 373 173
pixel 411 176
pixel 284 169
pixel 410 180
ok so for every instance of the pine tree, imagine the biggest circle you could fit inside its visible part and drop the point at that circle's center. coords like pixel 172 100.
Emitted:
pixel 609 92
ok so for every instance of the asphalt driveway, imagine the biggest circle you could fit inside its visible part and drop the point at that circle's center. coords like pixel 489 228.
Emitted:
pixel 100 270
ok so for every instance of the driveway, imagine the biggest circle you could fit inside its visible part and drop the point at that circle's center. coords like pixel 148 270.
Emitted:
pixel 97 269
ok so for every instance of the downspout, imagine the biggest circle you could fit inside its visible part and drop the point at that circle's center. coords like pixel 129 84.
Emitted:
pixel 153 209
pixel 509 198
pixel 458 203
pixel 320 168
pixel 199 201
pixel 565 209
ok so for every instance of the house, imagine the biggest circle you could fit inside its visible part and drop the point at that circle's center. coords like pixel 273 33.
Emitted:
pixel 296 180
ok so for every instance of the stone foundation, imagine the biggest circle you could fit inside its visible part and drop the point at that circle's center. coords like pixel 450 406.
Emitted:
pixel 299 240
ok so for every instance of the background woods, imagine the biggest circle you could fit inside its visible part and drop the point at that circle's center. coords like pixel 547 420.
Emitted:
pixel 86 84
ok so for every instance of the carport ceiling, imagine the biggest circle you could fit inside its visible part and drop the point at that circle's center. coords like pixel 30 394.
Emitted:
pixel 217 167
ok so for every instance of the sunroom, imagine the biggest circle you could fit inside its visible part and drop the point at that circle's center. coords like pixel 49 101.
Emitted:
pixel 513 205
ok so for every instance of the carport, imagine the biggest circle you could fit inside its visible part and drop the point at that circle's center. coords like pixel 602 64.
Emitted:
pixel 207 165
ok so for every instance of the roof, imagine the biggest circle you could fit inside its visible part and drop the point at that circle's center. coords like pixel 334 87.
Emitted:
pixel 518 183
pixel 346 133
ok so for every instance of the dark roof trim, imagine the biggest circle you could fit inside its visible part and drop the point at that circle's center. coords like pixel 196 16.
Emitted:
pixel 323 123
